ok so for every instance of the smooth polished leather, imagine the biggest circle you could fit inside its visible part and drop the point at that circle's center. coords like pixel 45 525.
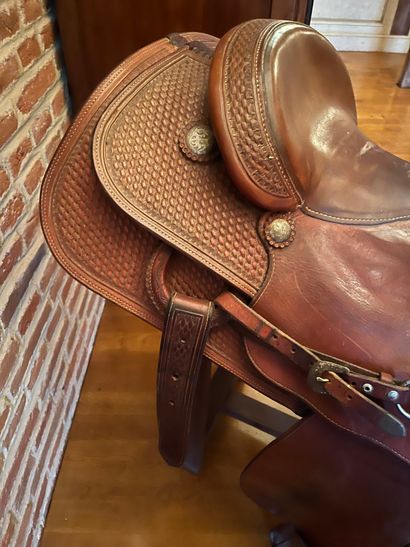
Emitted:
pixel 140 203
pixel 369 510
pixel 299 96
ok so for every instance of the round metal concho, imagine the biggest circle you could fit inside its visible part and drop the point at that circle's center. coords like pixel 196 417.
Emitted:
pixel 280 232
pixel 198 142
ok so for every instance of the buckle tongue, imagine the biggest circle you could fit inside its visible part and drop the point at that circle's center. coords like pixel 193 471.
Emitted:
pixel 315 376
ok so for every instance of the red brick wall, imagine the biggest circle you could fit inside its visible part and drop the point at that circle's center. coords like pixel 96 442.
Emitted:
pixel 47 321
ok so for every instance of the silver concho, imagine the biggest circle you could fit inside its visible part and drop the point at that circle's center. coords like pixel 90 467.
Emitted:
pixel 280 231
pixel 200 139
pixel 198 142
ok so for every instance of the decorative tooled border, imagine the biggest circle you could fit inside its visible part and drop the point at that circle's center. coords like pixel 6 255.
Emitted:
pixel 267 162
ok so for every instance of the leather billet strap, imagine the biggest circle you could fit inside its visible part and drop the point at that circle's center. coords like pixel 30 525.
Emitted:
pixel 183 340
pixel 324 372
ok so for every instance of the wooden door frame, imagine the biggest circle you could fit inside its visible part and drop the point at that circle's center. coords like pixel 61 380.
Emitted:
pixel 293 10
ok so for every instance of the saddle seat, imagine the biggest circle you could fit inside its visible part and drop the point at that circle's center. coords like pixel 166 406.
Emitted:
pixel 295 94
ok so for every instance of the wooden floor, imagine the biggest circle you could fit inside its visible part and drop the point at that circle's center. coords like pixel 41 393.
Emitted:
pixel 383 108
pixel 113 489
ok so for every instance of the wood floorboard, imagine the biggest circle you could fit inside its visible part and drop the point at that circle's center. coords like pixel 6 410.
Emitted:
pixel 113 489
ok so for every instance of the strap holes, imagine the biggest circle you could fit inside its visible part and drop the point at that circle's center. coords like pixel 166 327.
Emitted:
pixel 349 397
pixel 293 349
pixel 182 340
pixel 175 376
pixel 274 336
pixel 353 383
pixel 171 403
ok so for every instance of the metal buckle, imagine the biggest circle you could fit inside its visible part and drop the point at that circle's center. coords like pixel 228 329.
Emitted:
pixel 315 378
pixel 402 411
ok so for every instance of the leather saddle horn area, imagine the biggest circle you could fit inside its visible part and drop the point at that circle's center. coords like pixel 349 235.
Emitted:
pixel 284 115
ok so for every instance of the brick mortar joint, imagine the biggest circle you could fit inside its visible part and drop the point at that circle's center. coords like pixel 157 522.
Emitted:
pixel 12 93
pixel 13 493
pixel 37 153
pixel 79 299
pixel 21 268
pixel 38 149
pixel 24 118
pixel 24 130
pixel 51 479
pixel 33 402
pixel 63 353
pixel 41 268
pixel 10 285
pixel 15 446
pixel 28 73
pixel 51 467
pixel 11 44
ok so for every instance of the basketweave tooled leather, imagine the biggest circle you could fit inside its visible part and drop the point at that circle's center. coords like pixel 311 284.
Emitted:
pixel 339 286
pixel 140 124
pixel 185 333
pixel 106 250
pixel 193 205
pixel 250 152
pixel 238 252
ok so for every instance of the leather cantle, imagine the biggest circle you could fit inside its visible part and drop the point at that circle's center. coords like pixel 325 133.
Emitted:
pixel 300 144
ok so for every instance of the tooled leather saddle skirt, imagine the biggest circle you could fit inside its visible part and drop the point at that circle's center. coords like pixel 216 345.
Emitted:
pixel 223 192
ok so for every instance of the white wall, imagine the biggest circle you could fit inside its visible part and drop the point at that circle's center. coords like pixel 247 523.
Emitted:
pixel 359 25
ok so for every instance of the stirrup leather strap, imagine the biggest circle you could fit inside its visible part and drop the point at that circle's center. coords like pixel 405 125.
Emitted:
pixel 183 340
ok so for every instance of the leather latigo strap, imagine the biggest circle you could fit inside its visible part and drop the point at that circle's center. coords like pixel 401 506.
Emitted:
pixel 325 372
pixel 183 340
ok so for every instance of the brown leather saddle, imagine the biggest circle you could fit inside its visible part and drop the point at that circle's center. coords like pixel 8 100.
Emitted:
pixel 223 192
